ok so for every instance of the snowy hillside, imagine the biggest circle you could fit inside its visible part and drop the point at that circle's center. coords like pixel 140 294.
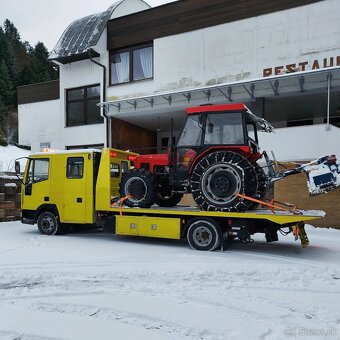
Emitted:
pixel 8 155
pixel 96 286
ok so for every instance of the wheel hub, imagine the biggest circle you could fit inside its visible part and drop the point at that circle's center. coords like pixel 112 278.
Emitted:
pixel 47 225
pixel 221 183
pixel 202 236
pixel 136 188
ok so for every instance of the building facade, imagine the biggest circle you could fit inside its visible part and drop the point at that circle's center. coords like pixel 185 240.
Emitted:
pixel 148 64
pixel 127 72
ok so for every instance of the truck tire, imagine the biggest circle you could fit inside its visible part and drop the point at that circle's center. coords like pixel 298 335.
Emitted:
pixel 139 186
pixel 204 234
pixel 219 177
pixel 48 223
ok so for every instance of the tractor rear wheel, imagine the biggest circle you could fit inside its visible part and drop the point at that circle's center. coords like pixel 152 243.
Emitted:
pixel 219 177
pixel 139 186
pixel 262 185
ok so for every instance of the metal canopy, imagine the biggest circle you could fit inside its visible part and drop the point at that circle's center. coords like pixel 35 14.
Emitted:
pixel 80 35
pixel 291 84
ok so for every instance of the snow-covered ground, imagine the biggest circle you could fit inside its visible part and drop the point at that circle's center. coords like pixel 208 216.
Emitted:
pixel 8 155
pixel 90 285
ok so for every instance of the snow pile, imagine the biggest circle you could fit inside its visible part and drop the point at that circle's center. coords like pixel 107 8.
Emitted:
pixel 8 155
pixel 99 286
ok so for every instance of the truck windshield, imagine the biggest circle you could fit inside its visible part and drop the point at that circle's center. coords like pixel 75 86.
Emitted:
pixel 192 133
pixel 224 129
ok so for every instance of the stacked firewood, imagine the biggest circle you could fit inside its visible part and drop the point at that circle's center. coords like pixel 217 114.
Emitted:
pixel 10 197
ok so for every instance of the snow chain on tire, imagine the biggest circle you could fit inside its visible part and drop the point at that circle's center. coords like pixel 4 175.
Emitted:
pixel 219 177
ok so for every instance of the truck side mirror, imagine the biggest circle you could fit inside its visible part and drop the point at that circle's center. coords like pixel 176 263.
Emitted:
pixel 17 167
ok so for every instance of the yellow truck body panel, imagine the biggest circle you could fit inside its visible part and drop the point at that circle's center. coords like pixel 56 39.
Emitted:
pixel 160 227
pixel 77 183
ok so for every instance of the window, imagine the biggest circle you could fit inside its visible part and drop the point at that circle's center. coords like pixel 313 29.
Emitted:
pixel 89 146
pixel 114 170
pixel 45 145
pixel 224 129
pixel 299 122
pixel 131 64
pixel 192 132
pixel 81 106
pixel 38 170
pixel 125 167
pixel 75 167
pixel 333 120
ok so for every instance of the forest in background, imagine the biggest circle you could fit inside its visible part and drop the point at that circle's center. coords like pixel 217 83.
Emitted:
pixel 20 64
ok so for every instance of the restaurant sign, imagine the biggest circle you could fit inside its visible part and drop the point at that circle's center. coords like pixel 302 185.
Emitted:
pixel 302 66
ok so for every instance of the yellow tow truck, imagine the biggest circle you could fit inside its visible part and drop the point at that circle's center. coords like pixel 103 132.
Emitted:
pixel 61 188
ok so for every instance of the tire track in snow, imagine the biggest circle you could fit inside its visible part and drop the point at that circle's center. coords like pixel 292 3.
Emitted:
pixel 22 336
pixel 176 330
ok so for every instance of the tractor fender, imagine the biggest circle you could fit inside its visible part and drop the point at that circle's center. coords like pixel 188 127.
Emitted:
pixel 242 150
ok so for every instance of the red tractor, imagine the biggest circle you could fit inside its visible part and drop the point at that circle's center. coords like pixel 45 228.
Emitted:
pixel 215 159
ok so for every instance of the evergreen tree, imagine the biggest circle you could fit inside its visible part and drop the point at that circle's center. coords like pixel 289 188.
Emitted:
pixel 11 31
pixel 3 112
pixel 20 64
pixel 6 89
pixel 43 69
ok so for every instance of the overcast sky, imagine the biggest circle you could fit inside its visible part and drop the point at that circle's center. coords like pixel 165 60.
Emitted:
pixel 46 20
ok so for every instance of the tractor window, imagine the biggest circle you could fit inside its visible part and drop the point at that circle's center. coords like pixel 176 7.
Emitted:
pixel 224 129
pixel 192 133
pixel 251 130
pixel 75 167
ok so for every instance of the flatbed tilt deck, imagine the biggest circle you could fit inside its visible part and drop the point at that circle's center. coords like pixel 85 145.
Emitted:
pixel 65 188
pixel 208 230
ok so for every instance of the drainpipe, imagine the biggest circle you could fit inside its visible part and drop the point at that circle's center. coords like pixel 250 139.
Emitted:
pixel 108 132
pixel 329 78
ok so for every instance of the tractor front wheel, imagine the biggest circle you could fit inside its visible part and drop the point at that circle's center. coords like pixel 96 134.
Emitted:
pixel 139 188
pixel 219 177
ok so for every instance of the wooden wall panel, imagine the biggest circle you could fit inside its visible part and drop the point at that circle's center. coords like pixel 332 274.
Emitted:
pixel 38 92
pixel 188 15
pixel 126 136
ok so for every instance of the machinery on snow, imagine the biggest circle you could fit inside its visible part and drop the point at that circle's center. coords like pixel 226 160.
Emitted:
pixel 216 159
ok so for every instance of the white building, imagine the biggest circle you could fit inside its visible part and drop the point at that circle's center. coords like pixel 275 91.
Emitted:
pixel 148 64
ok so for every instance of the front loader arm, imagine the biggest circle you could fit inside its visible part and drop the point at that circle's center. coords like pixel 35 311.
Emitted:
pixel 323 174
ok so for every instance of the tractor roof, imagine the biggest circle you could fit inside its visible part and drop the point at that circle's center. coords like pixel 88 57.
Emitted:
pixel 235 107
pixel 216 108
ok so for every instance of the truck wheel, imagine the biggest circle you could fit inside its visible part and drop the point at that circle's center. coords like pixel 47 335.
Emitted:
pixel 48 223
pixel 219 177
pixel 140 187
pixel 204 234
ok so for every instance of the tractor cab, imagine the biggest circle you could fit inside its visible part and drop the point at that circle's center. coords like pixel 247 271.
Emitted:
pixel 215 127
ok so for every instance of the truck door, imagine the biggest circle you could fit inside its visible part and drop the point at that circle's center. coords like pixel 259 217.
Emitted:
pixel 37 185
pixel 75 185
